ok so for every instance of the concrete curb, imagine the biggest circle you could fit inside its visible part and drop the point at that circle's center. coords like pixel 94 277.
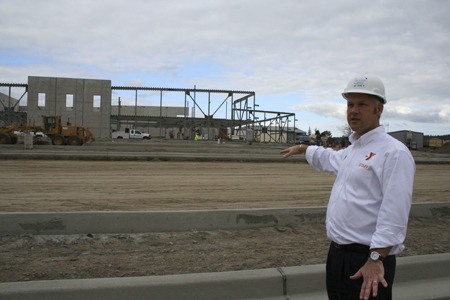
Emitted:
pixel 166 221
pixel 159 221
pixel 415 276
pixel 88 154
pixel 256 284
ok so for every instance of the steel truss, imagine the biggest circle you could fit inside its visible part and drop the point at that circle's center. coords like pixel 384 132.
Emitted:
pixel 208 120
pixel 267 126
pixel 8 115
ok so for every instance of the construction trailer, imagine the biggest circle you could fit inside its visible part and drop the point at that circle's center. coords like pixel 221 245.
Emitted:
pixel 413 140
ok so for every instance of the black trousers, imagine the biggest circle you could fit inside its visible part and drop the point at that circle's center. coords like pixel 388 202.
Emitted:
pixel 343 263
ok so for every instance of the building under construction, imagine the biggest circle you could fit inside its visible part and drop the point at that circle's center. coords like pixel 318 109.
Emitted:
pixel 177 113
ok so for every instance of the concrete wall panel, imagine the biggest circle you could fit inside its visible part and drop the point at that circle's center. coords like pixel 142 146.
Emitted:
pixel 82 113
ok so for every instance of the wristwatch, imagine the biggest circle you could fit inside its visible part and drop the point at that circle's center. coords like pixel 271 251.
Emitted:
pixel 375 256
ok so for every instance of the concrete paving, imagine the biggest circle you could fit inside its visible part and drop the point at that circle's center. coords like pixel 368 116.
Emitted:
pixel 418 277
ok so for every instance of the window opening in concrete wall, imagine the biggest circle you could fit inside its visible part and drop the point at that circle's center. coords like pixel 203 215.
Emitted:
pixel 69 101
pixel 97 101
pixel 41 99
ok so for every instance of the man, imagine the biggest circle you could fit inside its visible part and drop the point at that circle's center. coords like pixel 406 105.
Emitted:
pixel 369 205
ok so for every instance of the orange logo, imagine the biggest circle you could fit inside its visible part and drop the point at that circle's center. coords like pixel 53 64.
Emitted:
pixel 370 155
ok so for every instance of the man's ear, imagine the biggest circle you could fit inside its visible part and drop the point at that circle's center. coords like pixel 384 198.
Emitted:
pixel 380 108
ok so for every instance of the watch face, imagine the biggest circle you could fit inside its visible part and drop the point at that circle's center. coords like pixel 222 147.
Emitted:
pixel 374 255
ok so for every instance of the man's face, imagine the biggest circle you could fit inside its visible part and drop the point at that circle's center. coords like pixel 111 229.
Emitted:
pixel 363 112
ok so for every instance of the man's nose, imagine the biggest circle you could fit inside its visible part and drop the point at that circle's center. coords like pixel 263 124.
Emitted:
pixel 352 109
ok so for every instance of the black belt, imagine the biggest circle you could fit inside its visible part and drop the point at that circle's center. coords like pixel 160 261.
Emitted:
pixel 358 248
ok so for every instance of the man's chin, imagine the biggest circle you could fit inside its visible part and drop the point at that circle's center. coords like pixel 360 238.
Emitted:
pixel 353 125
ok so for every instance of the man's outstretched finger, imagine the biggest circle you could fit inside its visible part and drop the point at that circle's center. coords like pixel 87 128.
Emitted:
pixel 374 288
pixel 366 288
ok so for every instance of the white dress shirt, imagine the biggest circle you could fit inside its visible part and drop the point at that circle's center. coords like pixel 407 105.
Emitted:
pixel 372 194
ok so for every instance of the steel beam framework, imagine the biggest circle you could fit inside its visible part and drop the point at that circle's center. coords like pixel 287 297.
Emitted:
pixel 267 126
pixel 8 115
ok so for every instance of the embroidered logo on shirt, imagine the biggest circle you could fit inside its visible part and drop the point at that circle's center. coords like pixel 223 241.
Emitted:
pixel 363 166
pixel 370 155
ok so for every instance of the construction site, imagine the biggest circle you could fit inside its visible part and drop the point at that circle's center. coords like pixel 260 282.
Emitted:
pixel 173 218
pixel 174 113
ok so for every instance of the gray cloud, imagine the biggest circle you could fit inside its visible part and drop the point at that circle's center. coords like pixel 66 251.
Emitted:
pixel 271 47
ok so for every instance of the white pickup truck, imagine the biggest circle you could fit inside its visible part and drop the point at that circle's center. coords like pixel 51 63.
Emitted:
pixel 38 134
pixel 130 134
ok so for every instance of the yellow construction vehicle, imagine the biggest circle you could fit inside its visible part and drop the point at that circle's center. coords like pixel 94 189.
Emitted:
pixel 7 135
pixel 59 134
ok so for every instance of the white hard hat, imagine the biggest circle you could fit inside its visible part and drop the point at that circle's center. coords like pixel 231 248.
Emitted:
pixel 366 84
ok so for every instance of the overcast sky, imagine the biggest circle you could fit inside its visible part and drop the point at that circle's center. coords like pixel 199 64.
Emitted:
pixel 296 55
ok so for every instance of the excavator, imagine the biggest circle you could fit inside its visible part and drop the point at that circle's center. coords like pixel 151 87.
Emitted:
pixel 58 133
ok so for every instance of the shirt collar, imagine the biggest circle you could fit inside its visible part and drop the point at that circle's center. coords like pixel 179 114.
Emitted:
pixel 367 137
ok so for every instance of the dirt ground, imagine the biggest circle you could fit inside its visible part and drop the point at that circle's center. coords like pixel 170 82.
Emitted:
pixel 110 186
pixel 46 185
